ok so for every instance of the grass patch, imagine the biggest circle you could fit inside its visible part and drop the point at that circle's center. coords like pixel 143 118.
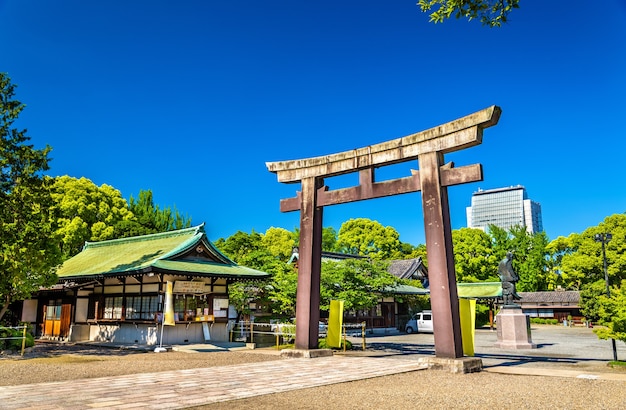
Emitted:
pixel 617 364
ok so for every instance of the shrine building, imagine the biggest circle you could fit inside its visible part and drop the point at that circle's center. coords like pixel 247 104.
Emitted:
pixel 114 291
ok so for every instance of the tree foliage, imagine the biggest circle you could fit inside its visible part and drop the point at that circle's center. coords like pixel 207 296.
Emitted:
pixel 530 255
pixel 474 260
pixel 359 283
pixel 491 13
pixel 86 212
pixel 362 236
pixel 278 293
pixel 27 226
pixel 279 242
pixel 329 238
pixel 150 218
pixel 582 261
pixel 612 314
pixel 590 300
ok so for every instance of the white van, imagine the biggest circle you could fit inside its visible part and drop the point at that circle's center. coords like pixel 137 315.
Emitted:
pixel 420 322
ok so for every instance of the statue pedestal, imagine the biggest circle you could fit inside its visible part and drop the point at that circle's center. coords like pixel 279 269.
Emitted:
pixel 513 329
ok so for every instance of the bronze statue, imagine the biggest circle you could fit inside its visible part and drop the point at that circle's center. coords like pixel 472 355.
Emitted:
pixel 509 278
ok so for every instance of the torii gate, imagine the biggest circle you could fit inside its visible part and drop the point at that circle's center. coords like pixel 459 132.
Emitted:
pixel 433 178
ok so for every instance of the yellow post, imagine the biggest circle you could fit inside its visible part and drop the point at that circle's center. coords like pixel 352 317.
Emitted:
pixel 335 323
pixel 363 333
pixel 23 340
pixel 467 312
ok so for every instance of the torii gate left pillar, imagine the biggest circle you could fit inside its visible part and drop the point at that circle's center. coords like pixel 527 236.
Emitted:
pixel 433 178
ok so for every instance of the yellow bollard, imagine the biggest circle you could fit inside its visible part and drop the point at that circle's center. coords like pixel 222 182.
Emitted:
pixel 363 334
pixel 23 340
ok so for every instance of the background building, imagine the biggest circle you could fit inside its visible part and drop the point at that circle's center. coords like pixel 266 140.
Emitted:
pixel 504 208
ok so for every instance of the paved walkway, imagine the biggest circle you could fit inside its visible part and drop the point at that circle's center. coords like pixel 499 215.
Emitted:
pixel 177 389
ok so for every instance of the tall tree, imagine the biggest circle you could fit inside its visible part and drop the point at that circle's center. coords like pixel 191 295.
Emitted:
pixel 530 255
pixel 329 238
pixel 612 314
pixel 362 236
pixel 86 212
pixel 492 13
pixel 474 260
pixel 278 292
pixel 150 218
pixel 29 247
pixel 584 264
pixel 279 242
pixel 359 283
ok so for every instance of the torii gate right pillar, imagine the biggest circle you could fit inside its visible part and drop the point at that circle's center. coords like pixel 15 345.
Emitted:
pixel 442 277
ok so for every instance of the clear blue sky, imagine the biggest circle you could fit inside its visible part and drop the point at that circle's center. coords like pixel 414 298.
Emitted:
pixel 190 98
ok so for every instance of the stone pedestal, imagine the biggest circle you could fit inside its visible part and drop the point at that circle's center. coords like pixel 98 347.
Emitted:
pixel 513 329
pixel 460 365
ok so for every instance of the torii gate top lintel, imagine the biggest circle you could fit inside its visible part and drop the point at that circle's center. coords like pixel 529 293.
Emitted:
pixel 452 136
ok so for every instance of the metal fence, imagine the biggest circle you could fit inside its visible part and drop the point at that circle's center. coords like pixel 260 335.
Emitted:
pixel 22 337
pixel 247 331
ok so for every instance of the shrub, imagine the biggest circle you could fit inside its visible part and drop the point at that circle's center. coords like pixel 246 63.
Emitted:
pixel 14 344
pixel 322 344
pixel 542 321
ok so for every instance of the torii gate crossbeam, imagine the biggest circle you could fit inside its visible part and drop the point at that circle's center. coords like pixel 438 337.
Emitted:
pixel 434 176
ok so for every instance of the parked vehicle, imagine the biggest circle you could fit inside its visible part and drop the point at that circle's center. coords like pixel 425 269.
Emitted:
pixel 420 322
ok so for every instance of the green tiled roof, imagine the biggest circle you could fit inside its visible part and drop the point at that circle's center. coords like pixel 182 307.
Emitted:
pixel 209 268
pixel 479 290
pixel 154 253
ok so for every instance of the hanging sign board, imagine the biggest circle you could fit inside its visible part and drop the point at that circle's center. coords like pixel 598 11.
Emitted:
pixel 188 287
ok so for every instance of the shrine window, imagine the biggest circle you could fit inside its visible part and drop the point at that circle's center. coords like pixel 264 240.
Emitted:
pixel 113 307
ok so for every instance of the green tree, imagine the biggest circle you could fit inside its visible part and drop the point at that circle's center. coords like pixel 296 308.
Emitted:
pixel 557 249
pixel 419 251
pixel 149 218
pixel 279 242
pixel 359 283
pixel 473 257
pixel 329 238
pixel 365 237
pixel 584 263
pixel 492 13
pixel 86 212
pixel 27 226
pixel 590 299
pixel 278 292
pixel 530 255
pixel 612 313
pixel 531 259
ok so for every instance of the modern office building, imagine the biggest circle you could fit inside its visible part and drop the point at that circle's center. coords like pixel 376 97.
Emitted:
pixel 504 208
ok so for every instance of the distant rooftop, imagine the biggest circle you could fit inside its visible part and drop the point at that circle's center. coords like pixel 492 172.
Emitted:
pixel 491 191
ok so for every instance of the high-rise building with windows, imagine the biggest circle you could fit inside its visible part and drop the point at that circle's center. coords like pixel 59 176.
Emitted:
pixel 504 208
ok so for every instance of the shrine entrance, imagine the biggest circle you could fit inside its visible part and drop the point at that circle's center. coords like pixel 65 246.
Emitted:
pixel 432 178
